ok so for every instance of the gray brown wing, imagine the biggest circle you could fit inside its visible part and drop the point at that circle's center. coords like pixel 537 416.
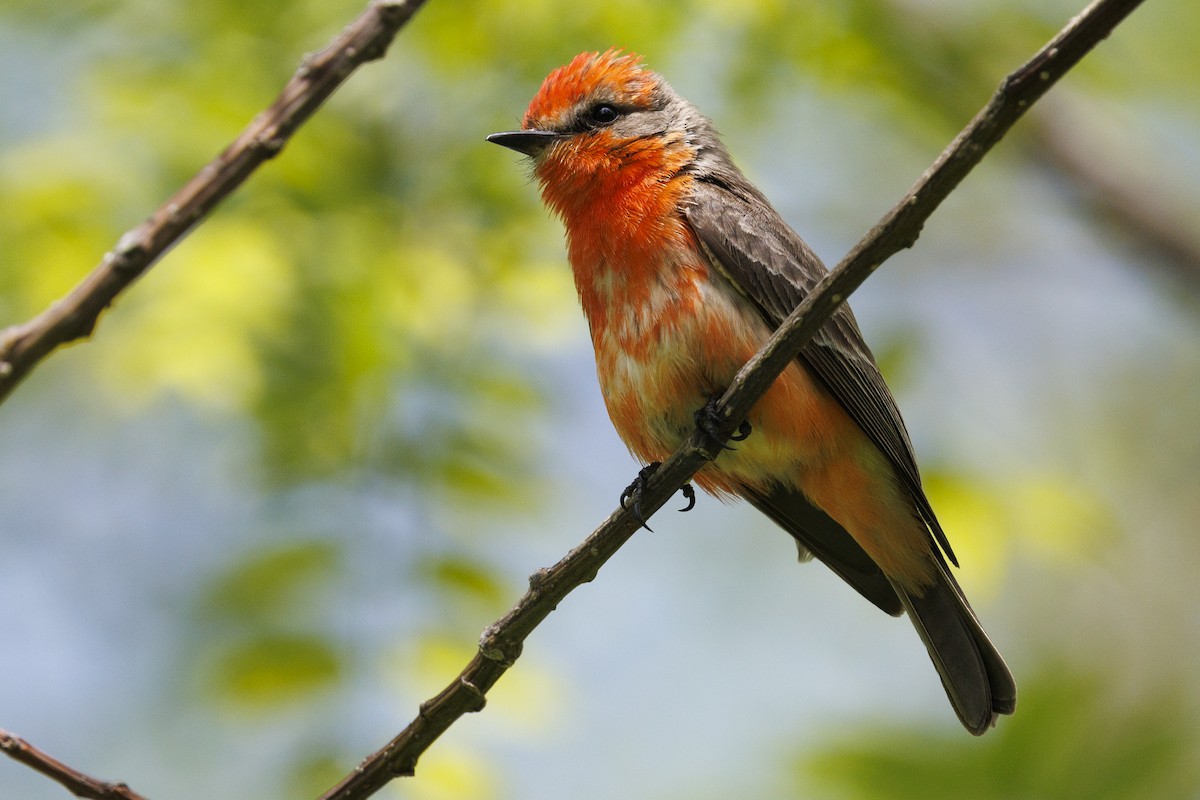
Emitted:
pixel 771 265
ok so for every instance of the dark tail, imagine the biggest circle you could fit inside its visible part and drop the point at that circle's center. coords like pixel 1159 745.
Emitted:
pixel 976 679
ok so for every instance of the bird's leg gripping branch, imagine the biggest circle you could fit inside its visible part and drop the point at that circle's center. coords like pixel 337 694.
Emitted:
pixel 631 498
pixel 711 421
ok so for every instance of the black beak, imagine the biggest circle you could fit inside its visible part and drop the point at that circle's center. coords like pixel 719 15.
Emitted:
pixel 528 142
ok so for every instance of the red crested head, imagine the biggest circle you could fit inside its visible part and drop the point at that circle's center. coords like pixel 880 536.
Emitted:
pixel 591 78
pixel 615 150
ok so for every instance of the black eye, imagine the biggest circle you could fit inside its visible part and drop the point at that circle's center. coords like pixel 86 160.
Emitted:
pixel 602 114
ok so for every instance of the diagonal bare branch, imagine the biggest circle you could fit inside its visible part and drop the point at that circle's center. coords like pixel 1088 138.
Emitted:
pixel 71 779
pixel 502 641
pixel 74 316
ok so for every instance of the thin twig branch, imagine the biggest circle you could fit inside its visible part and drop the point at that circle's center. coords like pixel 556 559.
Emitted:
pixel 501 642
pixel 72 779
pixel 74 316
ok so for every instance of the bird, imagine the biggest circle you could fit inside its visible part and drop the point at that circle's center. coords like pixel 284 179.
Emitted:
pixel 683 269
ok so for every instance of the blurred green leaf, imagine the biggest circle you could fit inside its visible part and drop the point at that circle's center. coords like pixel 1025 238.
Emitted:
pixel 273 583
pixel 271 671
pixel 1075 734
pixel 465 577
pixel 313 773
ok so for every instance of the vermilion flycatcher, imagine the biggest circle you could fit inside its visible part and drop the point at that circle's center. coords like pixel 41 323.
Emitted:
pixel 683 270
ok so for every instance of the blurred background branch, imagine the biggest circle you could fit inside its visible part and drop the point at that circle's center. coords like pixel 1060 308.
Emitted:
pixel 1137 198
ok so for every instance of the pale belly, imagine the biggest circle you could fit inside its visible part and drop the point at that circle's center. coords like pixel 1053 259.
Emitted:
pixel 654 376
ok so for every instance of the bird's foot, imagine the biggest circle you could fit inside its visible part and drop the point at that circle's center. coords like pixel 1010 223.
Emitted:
pixel 631 498
pixel 708 421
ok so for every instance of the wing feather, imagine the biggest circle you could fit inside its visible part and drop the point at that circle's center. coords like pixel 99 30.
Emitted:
pixel 751 245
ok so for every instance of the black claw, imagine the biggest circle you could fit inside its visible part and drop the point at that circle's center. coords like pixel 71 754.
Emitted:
pixel 689 494
pixel 634 492
pixel 708 421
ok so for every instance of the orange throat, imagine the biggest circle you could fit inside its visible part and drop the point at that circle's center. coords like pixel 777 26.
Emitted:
pixel 619 202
